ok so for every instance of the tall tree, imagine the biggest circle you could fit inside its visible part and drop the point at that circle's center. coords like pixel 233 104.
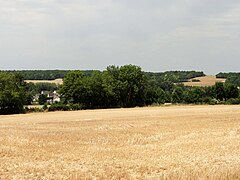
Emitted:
pixel 177 95
pixel 220 91
pixel 231 91
pixel 11 93
pixel 195 95
pixel 73 88
pixel 132 80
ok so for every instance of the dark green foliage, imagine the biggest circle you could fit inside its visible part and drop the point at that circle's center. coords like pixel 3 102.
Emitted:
pixel 33 109
pixel 115 87
pixel 132 82
pixel 220 91
pixel 176 76
pixel 125 86
pixel 233 78
pixel 46 74
pixel 155 95
pixel 74 88
pixel 196 80
pixel 209 100
pixel 45 106
pixel 231 91
pixel 64 107
pixel 222 75
pixel 178 95
pixel 42 99
pixel 75 107
pixel 12 93
pixel 210 92
pixel 233 101
pixel 128 86
pixel 172 76
pixel 195 95
pixel 59 107
pixel 39 87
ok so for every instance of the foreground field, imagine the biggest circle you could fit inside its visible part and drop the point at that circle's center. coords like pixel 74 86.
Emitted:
pixel 176 142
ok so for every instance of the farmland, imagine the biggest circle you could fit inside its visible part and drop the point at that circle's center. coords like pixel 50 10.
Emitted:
pixel 176 142
pixel 56 81
pixel 204 81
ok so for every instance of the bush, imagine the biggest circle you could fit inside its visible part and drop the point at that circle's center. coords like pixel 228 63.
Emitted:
pixel 75 107
pixel 32 109
pixel 196 80
pixel 59 107
pixel 45 106
pixel 208 100
pixel 233 101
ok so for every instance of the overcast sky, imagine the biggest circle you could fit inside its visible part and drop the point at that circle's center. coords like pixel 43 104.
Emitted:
pixel 157 35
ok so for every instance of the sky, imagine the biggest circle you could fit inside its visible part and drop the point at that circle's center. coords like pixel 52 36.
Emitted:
pixel 158 35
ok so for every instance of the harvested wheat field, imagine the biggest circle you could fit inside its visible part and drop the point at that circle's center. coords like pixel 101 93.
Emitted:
pixel 204 81
pixel 175 142
pixel 56 81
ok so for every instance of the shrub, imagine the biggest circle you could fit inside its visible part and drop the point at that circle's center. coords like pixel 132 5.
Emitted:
pixel 196 80
pixel 233 101
pixel 75 107
pixel 45 106
pixel 210 101
pixel 32 109
pixel 58 107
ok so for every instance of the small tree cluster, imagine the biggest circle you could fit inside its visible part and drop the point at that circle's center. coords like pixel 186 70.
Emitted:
pixel 12 93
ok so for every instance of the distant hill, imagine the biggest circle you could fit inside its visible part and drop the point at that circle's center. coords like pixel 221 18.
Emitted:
pixel 175 76
pixel 232 77
pixel 56 81
pixel 46 74
pixel 188 78
pixel 204 81
pixel 171 76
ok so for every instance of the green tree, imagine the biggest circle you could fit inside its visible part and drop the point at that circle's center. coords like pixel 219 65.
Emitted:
pixel 125 85
pixel 132 84
pixel 11 93
pixel 98 91
pixel 231 91
pixel 220 91
pixel 195 95
pixel 177 95
pixel 73 87
pixel 42 99
pixel 155 95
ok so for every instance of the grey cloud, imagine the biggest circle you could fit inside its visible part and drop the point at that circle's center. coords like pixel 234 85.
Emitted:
pixel 158 35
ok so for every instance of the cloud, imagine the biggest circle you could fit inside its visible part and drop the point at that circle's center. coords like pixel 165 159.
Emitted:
pixel 156 34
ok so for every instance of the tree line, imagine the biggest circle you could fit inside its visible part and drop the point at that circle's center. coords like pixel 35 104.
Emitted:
pixel 44 74
pixel 233 78
pixel 129 86
pixel 12 93
pixel 125 86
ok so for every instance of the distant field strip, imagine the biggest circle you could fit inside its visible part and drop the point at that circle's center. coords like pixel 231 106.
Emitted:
pixel 56 81
pixel 175 142
pixel 204 81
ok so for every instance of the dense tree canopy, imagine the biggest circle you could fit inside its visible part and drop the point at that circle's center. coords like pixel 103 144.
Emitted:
pixel 12 93
pixel 125 86
pixel 115 87
pixel 233 78
pixel 129 86
pixel 45 74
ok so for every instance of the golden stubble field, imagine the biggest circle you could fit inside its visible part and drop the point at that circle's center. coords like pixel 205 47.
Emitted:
pixel 204 81
pixel 175 142
pixel 56 81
